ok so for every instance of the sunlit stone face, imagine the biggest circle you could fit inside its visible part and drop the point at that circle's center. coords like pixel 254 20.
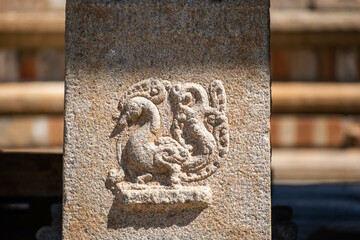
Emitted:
pixel 167 120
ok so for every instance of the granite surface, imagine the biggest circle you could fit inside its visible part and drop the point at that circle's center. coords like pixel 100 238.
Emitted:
pixel 188 47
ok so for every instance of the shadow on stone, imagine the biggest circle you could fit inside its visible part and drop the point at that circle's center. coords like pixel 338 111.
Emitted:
pixel 52 232
pixel 162 217
pixel 283 228
pixel 326 233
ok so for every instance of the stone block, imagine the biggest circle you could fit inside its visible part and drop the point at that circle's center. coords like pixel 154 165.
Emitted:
pixel 50 65
pixel 286 4
pixel 309 131
pixel 8 65
pixel 337 4
pixel 327 65
pixel 346 69
pixel 31 5
pixel 27 65
pixel 141 197
pixel 303 65
pixel 30 131
pixel 280 65
pixel 167 120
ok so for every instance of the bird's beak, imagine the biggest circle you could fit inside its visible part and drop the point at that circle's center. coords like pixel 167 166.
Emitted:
pixel 120 125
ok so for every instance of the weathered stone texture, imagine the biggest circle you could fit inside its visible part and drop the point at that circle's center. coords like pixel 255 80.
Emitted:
pixel 110 46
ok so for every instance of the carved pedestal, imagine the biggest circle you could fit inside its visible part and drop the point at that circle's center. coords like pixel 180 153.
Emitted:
pixel 156 198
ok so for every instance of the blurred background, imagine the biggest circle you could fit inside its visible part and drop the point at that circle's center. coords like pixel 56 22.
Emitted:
pixel 315 125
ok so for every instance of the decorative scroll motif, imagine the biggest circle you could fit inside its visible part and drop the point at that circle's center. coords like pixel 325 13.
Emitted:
pixel 179 135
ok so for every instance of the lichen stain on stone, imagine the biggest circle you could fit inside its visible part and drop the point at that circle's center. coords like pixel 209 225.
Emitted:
pixel 88 223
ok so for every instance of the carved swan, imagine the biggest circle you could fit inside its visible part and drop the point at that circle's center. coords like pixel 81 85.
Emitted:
pixel 146 152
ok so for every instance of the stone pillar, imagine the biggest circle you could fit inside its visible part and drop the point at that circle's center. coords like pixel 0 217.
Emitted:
pixel 167 120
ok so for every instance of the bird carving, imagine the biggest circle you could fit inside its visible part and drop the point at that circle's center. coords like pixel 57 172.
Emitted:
pixel 191 149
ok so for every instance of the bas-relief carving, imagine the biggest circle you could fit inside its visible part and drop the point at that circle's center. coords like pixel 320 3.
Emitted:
pixel 169 138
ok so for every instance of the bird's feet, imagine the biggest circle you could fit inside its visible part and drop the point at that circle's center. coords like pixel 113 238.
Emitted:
pixel 142 179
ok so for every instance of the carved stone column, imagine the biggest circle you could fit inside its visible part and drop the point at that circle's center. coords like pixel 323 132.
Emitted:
pixel 167 120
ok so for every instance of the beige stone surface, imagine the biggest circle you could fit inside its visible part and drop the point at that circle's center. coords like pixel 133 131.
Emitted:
pixel 32 97
pixel 31 131
pixel 317 4
pixel 286 4
pixel 9 65
pixel 337 4
pixel 32 5
pixel 167 120
pixel 316 97
pixel 315 165
pixel 305 20
pixel 32 22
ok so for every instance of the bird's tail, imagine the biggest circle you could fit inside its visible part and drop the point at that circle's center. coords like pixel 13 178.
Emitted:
pixel 117 175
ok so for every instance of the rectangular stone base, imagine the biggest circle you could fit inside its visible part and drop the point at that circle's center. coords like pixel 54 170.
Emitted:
pixel 145 197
